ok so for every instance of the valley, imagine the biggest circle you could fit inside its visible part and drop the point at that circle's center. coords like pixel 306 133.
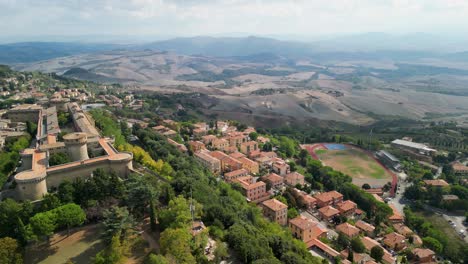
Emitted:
pixel 266 85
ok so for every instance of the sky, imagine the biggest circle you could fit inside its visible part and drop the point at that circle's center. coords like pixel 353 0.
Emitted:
pixel 169 18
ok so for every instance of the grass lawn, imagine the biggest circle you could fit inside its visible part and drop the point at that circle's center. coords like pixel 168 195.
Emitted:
pixel 441 224
pixel 81 246
pixel 354 163
pixel 320 151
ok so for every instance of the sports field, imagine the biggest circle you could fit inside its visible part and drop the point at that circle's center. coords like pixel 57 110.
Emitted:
pixel 354 162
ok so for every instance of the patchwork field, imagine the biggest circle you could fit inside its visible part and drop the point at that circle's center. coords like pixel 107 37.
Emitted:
pixel 355 163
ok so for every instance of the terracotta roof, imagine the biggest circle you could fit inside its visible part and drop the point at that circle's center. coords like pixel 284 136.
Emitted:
pixel 402 229
pixel 388 258
pixel 237 155
pixel 457 166
pixel 269 154
pixel 324 247
pixel 328 196
pixel 303 223
pixel 440 183
pixel 275 205
pixel 294 176
pixel 365 226
pixel 273 177
pixel 369 243
pixel 318 231
pixel 245 160
pixel 396 215
pixel 255 185
pixel 346 205
pixel 328 211
pixel 393 239
pixel 423 252
pixel 358 257
pixel 307 198
pixel 377 197
pixel 235 173
pixel 347 229
pixel 249 143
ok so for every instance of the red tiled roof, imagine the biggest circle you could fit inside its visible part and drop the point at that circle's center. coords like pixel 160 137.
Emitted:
pixel 328 196
pixel 365 226
pixel 328 211
pixel 303 223
pixel 275 205
pixel 347 229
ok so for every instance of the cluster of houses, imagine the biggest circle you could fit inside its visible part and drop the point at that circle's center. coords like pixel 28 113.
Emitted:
pixel 237 158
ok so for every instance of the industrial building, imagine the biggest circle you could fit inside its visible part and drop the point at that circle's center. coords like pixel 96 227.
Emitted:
pixel 389 160
pixel 413 146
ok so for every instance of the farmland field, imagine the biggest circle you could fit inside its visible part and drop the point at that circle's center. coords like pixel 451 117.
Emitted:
pixel 356 163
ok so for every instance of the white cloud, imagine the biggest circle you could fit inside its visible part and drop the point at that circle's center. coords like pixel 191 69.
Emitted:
pixel 202 17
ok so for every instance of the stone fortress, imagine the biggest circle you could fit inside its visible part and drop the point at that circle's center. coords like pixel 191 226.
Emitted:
pixel 36 177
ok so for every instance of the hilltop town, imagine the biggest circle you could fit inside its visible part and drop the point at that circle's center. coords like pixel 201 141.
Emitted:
pixel 114 156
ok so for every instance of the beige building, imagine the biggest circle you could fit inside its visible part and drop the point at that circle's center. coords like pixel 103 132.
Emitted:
pixel 220 144
pixel 249 165
pixel 196 145
pixel 305 229
pixel 280 167
pixel 248 147
pixel 213 164
pixel 294 178
pixel 275 180
pixel 328 198
pixel 348 230
pixel 227 163
pixel 276 211
pixel 233 175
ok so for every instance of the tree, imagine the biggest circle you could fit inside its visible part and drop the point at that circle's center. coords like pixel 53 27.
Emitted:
pixel 433 244
pixel 31 128
pixel 342 241
pixel 50 201
pixel 366 186
pixel 111 255
pixel 377 253
pixel 221 251
pixel 177 214
pixel 175 243
pixel 253 136
pixel 357 245
pixel 117 220
pixel 70 215
pixel 350 255
pixel 10 210
pixel 65 192
pixel 156 259
pixel 10 251
pixel 58 158
pixel 43 224
pixel 292 213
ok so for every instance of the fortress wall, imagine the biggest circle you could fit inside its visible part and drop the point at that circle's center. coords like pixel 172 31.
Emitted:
pixel 31 190
pixel 54 178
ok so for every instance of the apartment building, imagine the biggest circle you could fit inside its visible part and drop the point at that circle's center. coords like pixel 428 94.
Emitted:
pixel 276 211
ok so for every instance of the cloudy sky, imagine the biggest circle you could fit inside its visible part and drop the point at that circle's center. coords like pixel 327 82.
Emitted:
pixel 214 17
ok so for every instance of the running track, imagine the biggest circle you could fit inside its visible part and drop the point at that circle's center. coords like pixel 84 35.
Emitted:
pixel 311 149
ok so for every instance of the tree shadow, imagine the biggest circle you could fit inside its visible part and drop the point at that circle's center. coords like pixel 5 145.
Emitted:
pixel 88 255
pixel 39 252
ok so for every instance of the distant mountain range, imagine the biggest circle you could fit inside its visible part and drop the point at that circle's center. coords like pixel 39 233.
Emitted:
pixel 25 52
pixel 363 46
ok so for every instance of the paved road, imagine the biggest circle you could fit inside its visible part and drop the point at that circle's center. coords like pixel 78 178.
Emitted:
pixel 399 202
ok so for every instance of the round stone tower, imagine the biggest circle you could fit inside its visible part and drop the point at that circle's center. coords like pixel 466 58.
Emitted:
pixel 76 146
